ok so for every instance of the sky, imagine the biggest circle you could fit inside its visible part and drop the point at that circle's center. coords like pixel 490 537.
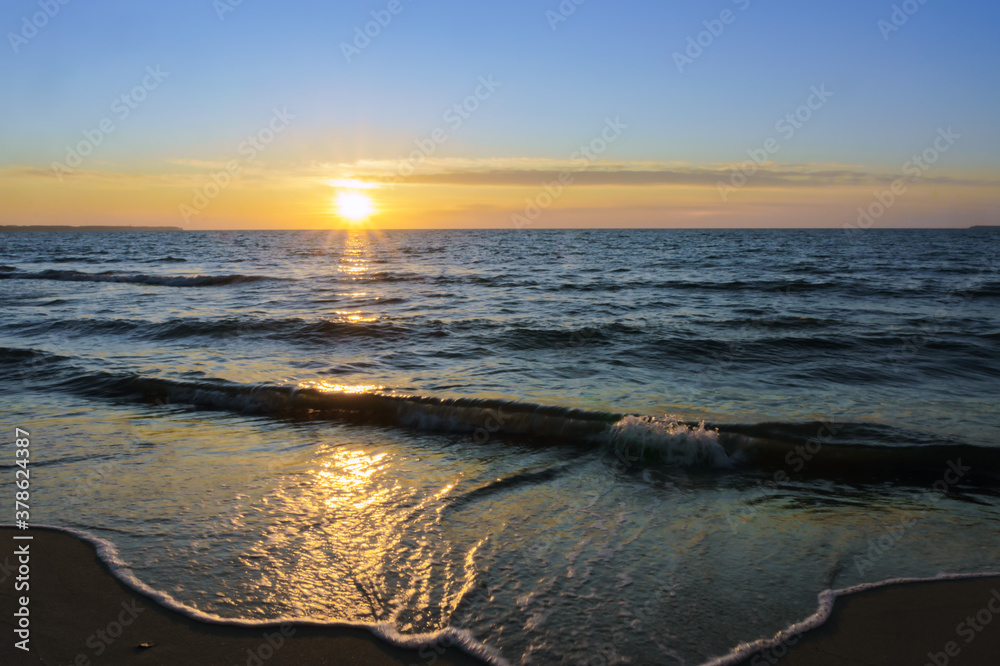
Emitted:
pixel 246 114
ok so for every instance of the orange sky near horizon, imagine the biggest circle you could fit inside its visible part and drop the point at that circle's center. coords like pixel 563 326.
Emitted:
pixel 611 195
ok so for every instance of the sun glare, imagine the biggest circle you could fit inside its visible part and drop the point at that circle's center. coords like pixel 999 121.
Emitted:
pixel 354 206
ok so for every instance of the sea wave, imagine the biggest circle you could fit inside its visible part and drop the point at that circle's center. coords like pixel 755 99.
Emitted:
pixel 645 341
pixel 182 328
pixel 632 441
pixel 137 278
pixel 668 440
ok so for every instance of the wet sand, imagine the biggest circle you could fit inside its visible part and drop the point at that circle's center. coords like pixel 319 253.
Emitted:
pixel 73 596
pixel 81 614
pixel 910 623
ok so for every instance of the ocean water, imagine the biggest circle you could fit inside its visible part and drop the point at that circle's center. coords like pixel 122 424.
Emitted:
pixel 576 447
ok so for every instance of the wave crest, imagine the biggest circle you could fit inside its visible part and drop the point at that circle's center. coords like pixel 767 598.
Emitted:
pixel 668 440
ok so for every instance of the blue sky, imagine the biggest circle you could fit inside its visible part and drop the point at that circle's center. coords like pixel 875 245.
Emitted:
pixel 606 59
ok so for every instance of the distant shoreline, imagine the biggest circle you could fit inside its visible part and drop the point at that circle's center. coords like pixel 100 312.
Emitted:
pixel 99 228
pixel 66 227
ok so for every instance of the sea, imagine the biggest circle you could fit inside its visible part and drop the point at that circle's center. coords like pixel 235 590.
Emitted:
pixel 546 446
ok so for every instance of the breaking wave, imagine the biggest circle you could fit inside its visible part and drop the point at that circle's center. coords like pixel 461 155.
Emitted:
pixel 865 450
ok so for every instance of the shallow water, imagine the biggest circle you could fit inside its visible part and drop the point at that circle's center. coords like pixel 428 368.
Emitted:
pixel 229 409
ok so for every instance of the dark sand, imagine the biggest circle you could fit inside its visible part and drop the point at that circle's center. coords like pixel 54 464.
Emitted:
pixel 903 624
pixel 73 595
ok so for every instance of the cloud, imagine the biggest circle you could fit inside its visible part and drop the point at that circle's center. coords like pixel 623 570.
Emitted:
pixel 518 172
pixel 178 173
pixel 510 172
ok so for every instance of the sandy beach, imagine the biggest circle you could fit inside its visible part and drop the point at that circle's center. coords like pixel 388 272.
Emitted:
pixel 954 622
pixel 81 614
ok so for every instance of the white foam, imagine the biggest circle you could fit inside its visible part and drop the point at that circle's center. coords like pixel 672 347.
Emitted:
pixel 449 636
pixel 669 439
pixel 462 638
pixel 822 614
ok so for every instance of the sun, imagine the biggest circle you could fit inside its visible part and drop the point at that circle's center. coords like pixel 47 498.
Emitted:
pixel 354 206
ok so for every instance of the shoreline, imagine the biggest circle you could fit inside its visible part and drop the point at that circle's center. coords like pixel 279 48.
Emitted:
pixel 930 621
pixel 81 613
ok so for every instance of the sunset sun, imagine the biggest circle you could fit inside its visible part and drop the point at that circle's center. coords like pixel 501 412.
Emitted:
pixel 354 206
